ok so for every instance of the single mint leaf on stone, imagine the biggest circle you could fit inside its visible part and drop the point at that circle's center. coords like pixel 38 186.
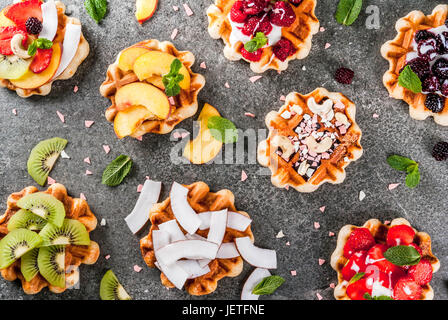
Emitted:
pixel 402 256
pixel 348 11
pixel 222 129
pixel 257 42
pixel 357 277
pixel 409 79
pixel 96 9
pixel 116 171
pixel 400 163
pixel 413 177
pixel 268 285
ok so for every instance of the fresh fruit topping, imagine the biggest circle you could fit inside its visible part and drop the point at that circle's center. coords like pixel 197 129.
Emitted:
pixel 128 57
pixel 13 67
pixel 359 239
pixel 6 35
pixel 355 265
pixel 422 272
pixel 255 256
pixel 440 151
pixel 237 12
pixel 116 171
pixel 253 7
pixel 420 66
pixel 375 257
pixel 72 232
pixel 96 9
pixel 255 278
pixel 15 244
pixel 256 24
pixel 283 49
pixel 344 75
pixel 252 56
pixel 21 11
pixel 41 60
pixel 28 264
pixel 400 235
pixel 45 206
pixel 407 289
pixel 24 219
pixel 357 290
pixel 33 25
pixel 145 9
pixel 440 68
pixel 422 35
pixel 431 84
pixel 51 263
pixel 378 283
pixel 434 102
pixel 127 121
pixel 444 89
pixel 111 289
pixel 282 14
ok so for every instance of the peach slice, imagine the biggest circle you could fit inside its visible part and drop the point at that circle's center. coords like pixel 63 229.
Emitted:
pixel 143 94
pixel 127 121
pixel 204 147
pixel 157 63
pixel 32 80
pixel 145 9
pixel 128 57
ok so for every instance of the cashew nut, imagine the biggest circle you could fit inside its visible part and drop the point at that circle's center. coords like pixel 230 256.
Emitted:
pixel 319 147
pixel 325 110
pixel 16 47
pixel 297 109
pixel 342 118
pixel 285 144
pixel 303 168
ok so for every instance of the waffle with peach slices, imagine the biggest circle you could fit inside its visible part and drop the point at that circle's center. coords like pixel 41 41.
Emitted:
pixel 135 87
pixel 312 139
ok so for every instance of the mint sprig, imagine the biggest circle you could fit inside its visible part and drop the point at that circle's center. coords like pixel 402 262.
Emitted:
pixel 409 166
pixel 222 129
pixel 268 285
pixel 257 42
pixel 116 171
pixel 40 43
pixel 409 79
pixel 173 78
pixel 357 277
pixel 402 256
pixel 96 9
pixel 367 296
pixel 348 11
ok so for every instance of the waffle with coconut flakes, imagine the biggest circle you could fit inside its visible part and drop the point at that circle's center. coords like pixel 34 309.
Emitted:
pixel 75 255
pixel 126 111
pixel 312 139
pixel 364 252
pixel 35 75
pixel 288 25
pixel 421 43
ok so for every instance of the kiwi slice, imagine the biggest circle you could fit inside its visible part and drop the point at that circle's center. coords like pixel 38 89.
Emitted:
pixel 43 157
pixel 12 67
pixel 71 232
pixel 15 244
pixel 51 263
pixel 45 206
pixel 111 289
pixel 27 220
pixel 28 264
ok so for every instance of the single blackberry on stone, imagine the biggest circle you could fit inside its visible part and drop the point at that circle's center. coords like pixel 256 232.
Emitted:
pixel 440 68
pixel 344 75
pixel 440 151
pixel 431 84
pixel 33 25
pixel 434 102
pixel 420 66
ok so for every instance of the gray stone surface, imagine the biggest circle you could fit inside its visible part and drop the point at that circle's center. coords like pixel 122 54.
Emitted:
pixel 272 209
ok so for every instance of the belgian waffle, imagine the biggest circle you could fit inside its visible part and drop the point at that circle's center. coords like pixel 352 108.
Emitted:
pixel 283 151
pixel 395 52
pixel 379 232
pixel 186 103
pixel 80 56
pixel 300 33
pixel 201 200
pixel 74 255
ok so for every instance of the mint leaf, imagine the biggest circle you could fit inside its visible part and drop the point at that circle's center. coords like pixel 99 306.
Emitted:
pixel 400 163
pixel 348 11
pixel 222 129
pixel 413 177
pixel 268 285
pixel 367 296
pixel 409 79
pixel 173 78
pixel 357 277
pixel 116 171
pixel 40 43
pixel 96 9
pixel 402 256
pixel 257 42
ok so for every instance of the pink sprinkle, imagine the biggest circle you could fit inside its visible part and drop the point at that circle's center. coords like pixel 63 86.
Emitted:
pixel 188 10
pixel 203 65
pixel 61 116
pixel 287 243
pixel 137 268
pixel 319 296
pixel 342 129
pixel 51 181
pixel 322 29
pixel 293 273
pixel 243 175
pixel 386 222
pixel 14 112
pixel 106 148
pixel 248 114
pixel 332 285
pixel 254 78
pixel 339 105
pixel 393 186
pixel 316 225
pixel 107 257
pixel 82 196
pixel 75 89
pixel 87 160
pixel 174 34
pixel 139 138
pixel 227 85
pixel 147 178
pixel 282 98
pixel 177 135
pixel 139 188
pixel 322 209
pixel 175 8
pixel 321 261
pixel 327 45
pixel 88 173
pixel 172 101
pixel 331 234
pixel 375 115
pixel 287 187
pixel 184 134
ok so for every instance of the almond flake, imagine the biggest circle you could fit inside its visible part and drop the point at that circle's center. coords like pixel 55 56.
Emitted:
pixel 14 112
pixel 103 222
pixel 332 285
pixel 375 115
pixel 64 155
pixel 175 8
pixel 282 98
pixel 331 234
pixel 322 209
pixel 107 257
pixel 75 89
pixel 362 195
pixel 139 138
pixel 327 45
pixel 227 85
pixel 319 296
pixel 280 234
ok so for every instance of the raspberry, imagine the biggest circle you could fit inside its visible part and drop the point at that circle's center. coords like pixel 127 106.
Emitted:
pixel 283 49
pixel 434 102
pixel 422 272
pixel 440 151
pixel 236 13
pixel 255 24
pixel 252 56
pixel 431 84
pixel 33 25
pixel 344 75
pixel 253 7
pixel 420 66
pixel 282 14
pixel 400 235
pixel 440 68
pixel 359 239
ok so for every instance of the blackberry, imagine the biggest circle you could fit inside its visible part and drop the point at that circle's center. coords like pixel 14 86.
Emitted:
pixel 431 84
pixel 444 88
pixel 440 68
pixel 424 35
pixel 344 75
pixel 420 66
pixel 33 25
pixel 434 102
pixel 440 151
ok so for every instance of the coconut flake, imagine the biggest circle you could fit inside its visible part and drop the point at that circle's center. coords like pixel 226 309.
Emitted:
pixel 237 221
pixel 280 234
pixel 49 20
pixel 182 210
pixel 255 278
pixel 172 228
pixel 205 220
pixel 258 257
pixel 218 224
pixel 64 155
pixel 193 268
pixel 362 195
pixel 227 251
pixel 188 249
pixel 70 46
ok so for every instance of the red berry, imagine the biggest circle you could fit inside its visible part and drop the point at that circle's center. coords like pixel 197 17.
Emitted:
pixel 252 56
pixel 6 34
pixel 359 239
pixel 400 235
pixel 282 14
pixel 236 13
pixel 283 49
pixel 356 264
pixel 416 247
pixel 254 7
pixel 378 278
pixel 422 272
pixel 407 289
pixel 21 11
pixel 41 60
pixel 344 75
pixel 358 289
pixel 375 257
pixel 256 24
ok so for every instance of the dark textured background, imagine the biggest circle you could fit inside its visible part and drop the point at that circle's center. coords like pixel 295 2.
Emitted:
pixel 272 209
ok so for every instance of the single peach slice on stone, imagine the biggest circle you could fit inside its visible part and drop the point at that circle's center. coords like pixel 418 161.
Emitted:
pixel 145 9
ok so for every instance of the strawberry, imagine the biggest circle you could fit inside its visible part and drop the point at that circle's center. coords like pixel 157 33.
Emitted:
pixel 407 289
pixel 375 257
pixel 21 11
pixel 282 14
pixel 378 278
pixel 359 239
pixel 422 272
pixel 400 235
pixel 356 264
pixel 252 56
pixel 41 60
pixel 416 247
pixel 6 34
pixel 358 289
pixel 236 13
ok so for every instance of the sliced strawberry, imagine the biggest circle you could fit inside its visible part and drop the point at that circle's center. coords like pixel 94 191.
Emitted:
pixel 400 235
pixel 6 34
pixel 21 11
pixel 375 257
pixel 252 56
pixel 358 289
pixel 359 239
pixel 356 264
pixel 41 60
pixel 407 289
pixel 422 272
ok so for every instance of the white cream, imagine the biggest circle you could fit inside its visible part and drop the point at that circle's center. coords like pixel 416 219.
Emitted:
pixel 379 290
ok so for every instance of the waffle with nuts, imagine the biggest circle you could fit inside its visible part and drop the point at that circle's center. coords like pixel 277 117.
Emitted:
pixel 80 55
pixel 201 200
pixel 396 52
pixel 74 255
pixel 307 148
pixel 379 232
pixel 300 34
pixel 183 106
